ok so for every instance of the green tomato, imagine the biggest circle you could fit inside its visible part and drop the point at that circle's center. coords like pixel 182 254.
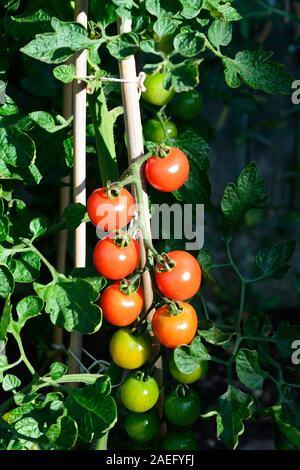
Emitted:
pixel 155 92
pixel 154 131
pixel 165 43
pixel 139 394
pixel 190 378
pixel 186 105
pixel 129 351
pixel 180 441
pixel 142 427
pixel 182 407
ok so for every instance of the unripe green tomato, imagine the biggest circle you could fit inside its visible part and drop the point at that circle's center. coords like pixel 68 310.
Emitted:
pixel 183 378
pixel 165 43
pixel 180 441
pixel 142 427
pixel 155 92
pixel 154 131
pixel 182 410
pixel 186 105
pixel 138 394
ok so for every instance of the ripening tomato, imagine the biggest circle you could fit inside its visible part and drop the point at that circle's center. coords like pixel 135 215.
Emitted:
pixel 119 308
pixel 139 393
pixel 186 105
pixel 129 350
pixel 182 407
pixel 110 212
pixel 168 173
pixel 114 261
pixel 173 328
pixel 154 131
pixel 180 441
pixel 187 378
pixel 182 281
pixel 155 92
pixel 142 427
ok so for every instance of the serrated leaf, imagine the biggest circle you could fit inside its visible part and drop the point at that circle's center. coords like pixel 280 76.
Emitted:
pixel 65 73
pixel 57 370
pixel 16 148
pixel 248 369
pixel 70 304
pixel 25 267
pixel 185 76
pixel 258 72
pixel 93 408
pixel 249 192
pixel 38 227
pixel 165 26
pixel 63 434
pixel 154 7
pixel 27 308
pixel 27 25
pixel 220 33
pixel 90 275
pixel 55 48
pixel 191 8
pixel 188 44
pixel 223 11
pixel 4 228
pixel 6 282
pixel 28 427
pixel 273 260
pixel 205 259
pixel 10 382
pixel 217 337
pixel 123 46
pixel 9 107
pixel 231 410
pixel 188 358
pixel 5 320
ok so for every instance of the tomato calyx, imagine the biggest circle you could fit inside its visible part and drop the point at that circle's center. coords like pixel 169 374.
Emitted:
pixel 162 151
pixel 164 263
pixel 139 328
pixel 182 390
pixel 175 308
pixel 112 190
pixel 130 285
pixel 142 376
pixel 122 239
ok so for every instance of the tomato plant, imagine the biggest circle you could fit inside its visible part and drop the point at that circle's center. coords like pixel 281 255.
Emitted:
pixel 76 213
pixel 139 393
pixel 130 350
pixel 168 172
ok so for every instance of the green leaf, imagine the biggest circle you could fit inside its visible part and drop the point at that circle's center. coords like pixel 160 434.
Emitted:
pixel 7 284
pixel 65 73
pixel 5 320
pixel 27 308
pixel 273 260
pixel 287 419
pixel 248 193
pixel 46 121
pixel 165 26
pixel 188 358
pixel 93 408
pixel 74 215
pixel 188 44
pixel 4 228
pixel 9 107
pixel 57 370
pixel 10 382
pixel 185 76
pixel 38 227
pixel 27 25
pixel 284 337
pixel 25 267
pixel 16 148
pixel 191 8
pixel 70 304
pixel 154 7
pixel 223 11
pixel 258 72
pixel 231 410
pixel 54 48
pixel 123 46
pixel 205 259
pixel 217 337
pixel 90 275
pixel 63 434
pixel 220 33
pixel 248 369
pixel 148 46
pixel 28 427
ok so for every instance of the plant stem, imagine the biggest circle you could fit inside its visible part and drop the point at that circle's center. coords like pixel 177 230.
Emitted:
pixel 22 352
pixel 101 443
pixel 203 302
pixel 72 378
pixel 51 268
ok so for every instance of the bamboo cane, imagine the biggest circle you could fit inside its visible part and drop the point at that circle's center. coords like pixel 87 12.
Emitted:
pixel 79 173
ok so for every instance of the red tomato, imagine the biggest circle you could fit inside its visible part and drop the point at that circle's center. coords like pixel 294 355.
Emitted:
pixel 110 213
pixel 168 173
pixel 121 309
pixel 113 261
pixel 174 329
pixel 183 280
